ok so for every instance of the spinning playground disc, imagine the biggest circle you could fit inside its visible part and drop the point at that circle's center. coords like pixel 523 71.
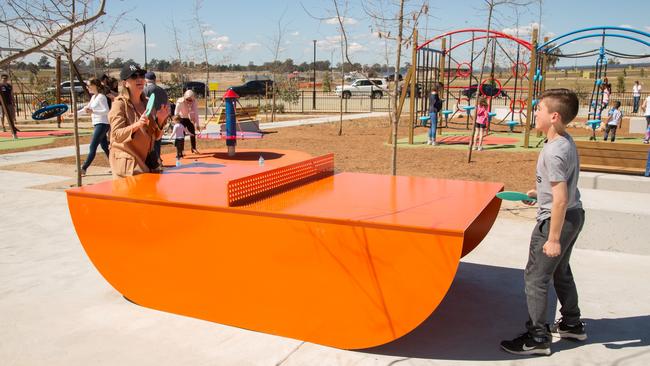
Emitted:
pixel 50 111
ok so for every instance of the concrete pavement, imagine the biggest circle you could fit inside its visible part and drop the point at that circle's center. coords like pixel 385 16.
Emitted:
pixel 56 309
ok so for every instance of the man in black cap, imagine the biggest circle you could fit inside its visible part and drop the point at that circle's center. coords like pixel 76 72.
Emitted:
pixel 161 98
pixel 8 109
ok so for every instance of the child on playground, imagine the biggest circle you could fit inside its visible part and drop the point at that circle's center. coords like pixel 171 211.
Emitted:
pixel 560 218
pixel 435 104
pixel 481 123
pixel 614 121
pixel 178 135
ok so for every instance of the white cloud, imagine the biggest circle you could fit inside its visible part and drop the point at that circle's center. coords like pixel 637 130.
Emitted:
pixel 249 46
pixel 152 45
pixel 647 28
pixel 522 31
pixel 626 26
pixel 295 34
pixel 219 43
pixel 209 32
pixel 346 21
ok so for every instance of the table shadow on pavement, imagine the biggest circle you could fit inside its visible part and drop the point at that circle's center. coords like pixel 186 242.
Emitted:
pixel 487 304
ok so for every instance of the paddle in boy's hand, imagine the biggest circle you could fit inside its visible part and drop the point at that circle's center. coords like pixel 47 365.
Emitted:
pixel 516 196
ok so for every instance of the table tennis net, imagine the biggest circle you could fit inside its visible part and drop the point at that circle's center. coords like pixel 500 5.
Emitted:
pixel 246 190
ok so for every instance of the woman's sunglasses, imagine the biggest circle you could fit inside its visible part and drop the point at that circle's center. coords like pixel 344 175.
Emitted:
pixel 136 76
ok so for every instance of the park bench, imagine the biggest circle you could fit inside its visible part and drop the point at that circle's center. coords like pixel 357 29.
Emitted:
pixel 617 157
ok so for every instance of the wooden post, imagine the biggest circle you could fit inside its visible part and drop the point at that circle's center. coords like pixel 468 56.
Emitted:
pixel 442 72
pixel 542 86
pixel 414 70
pixel 57 90
pixel 531 82
pixel 400 103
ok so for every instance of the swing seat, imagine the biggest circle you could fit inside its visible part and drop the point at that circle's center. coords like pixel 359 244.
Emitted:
pixel 446 113
pixel 594 123
pixel 492 114
pixel 424 118
pixel 512 124
pixel 468 108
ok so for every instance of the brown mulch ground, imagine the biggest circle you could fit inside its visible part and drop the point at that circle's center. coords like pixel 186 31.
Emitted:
pixel 363 148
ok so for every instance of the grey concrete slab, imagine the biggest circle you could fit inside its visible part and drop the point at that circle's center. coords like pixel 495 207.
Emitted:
pixel 40 155
pixel 55 308
pixel 614 182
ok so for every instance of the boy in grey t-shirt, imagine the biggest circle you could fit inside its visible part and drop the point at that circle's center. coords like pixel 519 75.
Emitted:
pixel 560 218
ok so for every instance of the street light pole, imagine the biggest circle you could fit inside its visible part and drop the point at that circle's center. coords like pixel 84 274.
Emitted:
pixel 144 30
pixel 313 94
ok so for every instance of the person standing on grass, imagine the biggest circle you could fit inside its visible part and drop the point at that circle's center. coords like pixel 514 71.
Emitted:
pixel 8 109
pixel 435 104
pixel 560 218
pixel 187 108
pixel 481 123
pixel 614 121
pixel 636 96
pixel 98 109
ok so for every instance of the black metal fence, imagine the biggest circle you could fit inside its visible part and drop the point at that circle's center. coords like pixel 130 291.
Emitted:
pixel 326 102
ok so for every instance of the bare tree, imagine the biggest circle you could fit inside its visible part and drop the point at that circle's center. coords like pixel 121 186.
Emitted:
pixel 36 25
pixel 491 5
pixel 178 49
pixel 204 46
pixel 344 56
pixel 275 47
pixel 407 18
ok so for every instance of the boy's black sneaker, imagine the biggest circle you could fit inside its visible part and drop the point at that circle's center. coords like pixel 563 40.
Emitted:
pixel 564 330
pixel 526 344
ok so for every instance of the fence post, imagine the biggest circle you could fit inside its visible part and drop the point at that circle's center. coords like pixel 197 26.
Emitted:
pixel 302 101
pixel 372 100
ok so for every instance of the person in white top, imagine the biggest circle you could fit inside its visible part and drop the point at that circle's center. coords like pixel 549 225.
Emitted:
pixel 614 121
pixel 646 106
pixel 636 95
pixel 187 109
pixel 98 109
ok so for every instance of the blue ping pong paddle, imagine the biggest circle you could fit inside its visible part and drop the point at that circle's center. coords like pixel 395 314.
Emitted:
pixel 150 104
pixel 514 196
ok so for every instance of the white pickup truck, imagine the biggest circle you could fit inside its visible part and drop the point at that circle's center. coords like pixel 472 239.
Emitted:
pixel 375 88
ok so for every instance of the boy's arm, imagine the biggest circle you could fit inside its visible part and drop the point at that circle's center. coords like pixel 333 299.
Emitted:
pixel 560 193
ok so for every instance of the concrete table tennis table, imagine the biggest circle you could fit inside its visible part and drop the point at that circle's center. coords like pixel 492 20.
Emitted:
pixel 348 260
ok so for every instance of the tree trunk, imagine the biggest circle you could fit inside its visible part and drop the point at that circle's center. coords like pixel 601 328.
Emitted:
pixel 395 117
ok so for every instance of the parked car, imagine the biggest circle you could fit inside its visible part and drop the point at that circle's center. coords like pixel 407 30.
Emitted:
pixel 65 87
pixel 254 88
pixel 375 88
pixel 197 87
pixel 488 89
pixel 418 90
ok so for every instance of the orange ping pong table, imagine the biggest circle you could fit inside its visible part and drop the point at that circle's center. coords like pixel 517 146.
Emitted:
pixel 348 260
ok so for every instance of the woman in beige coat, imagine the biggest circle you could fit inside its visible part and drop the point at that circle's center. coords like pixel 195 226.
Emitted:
pixel 131 135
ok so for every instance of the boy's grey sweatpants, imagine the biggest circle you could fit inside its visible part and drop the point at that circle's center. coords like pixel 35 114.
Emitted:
pixel 541 269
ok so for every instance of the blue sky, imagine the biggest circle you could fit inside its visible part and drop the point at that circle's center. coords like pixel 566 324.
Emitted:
pixel 244 31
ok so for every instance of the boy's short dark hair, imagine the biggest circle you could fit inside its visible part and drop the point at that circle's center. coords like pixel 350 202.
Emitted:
pixel 563 101
pixel 176 118
pixel 617 104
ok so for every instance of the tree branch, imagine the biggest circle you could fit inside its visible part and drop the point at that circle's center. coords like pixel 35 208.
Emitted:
pixel 54 36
